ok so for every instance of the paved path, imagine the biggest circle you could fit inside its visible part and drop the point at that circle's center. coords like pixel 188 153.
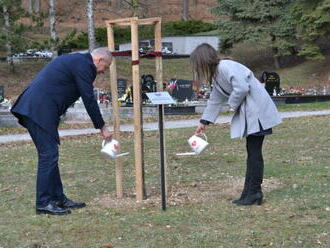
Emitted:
pixel 154 125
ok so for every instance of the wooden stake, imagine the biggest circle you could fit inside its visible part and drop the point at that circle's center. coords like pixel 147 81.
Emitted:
pixel 159 61
pixel 137 106
pixel 115 108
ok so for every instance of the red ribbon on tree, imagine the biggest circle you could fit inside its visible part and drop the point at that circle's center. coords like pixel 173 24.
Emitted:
pixel 129 54
pixel 136 62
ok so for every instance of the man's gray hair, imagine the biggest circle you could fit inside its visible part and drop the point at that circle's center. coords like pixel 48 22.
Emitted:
pixel 102 52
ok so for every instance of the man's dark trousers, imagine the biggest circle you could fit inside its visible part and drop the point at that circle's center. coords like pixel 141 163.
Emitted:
pixel 49 184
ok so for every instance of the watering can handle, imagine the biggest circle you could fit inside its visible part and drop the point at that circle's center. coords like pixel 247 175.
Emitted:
pixel 205 137
pixel 104 142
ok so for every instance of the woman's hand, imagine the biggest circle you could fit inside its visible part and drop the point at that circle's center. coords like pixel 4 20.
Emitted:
pixel 200 129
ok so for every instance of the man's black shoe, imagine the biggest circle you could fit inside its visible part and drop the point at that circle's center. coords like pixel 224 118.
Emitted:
pixel 53 209
pixel 67 203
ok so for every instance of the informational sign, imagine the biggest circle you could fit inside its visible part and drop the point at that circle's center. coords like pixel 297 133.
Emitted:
pixel 160 98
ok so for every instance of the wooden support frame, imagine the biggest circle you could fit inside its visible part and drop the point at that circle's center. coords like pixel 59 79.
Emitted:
pixel 115 107
pixel 133 22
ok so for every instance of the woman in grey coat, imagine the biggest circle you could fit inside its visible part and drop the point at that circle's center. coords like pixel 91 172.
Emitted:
pixel 235 85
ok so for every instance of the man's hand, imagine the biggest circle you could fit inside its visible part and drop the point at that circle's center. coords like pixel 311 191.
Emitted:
pixel 200 129
pixel 106 134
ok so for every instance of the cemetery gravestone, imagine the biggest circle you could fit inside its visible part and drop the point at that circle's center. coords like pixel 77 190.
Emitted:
pixel 271 81
pixel 2 93
pixel 121 86
pixel 148 84
pixel 183 90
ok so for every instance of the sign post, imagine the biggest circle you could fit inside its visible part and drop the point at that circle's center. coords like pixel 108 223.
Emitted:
pixel 161 98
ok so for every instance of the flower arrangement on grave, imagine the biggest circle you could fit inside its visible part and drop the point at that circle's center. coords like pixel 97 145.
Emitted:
pixel 171 86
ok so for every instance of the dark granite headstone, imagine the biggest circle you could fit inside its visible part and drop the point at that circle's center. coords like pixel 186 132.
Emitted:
pixel 183 90
pixel 271 81
pixel 148 84
pixel 2 93
pixel 121 86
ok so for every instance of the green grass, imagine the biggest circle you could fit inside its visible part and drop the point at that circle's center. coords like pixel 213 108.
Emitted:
pixel 200 214
pixel 304 106
pixel 308 71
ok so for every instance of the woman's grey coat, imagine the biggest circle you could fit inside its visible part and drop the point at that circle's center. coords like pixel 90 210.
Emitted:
pixel 236 86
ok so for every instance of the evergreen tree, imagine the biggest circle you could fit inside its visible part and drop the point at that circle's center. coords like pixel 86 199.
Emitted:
pixel 313 22
pixel 11 31
pixel 260 21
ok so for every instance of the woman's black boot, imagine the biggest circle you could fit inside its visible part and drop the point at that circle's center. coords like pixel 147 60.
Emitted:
pixel 245 190
pixel 251 199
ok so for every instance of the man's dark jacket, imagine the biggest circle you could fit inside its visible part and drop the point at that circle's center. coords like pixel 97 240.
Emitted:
pixel 56 87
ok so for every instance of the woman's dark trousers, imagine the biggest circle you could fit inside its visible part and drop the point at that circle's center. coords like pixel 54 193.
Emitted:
pixel 252 192
pixel 255 164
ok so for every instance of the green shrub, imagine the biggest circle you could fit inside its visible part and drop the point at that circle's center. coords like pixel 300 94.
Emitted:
pixel 123 35
pixel 186 27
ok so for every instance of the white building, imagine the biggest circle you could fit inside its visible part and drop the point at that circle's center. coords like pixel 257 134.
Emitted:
pixel 181 45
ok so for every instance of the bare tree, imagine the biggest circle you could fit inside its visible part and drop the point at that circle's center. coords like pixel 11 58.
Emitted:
pixel 185 9
pixel 6 29
pixel 90 24
pixel 34 6
pixel 135 6
pixel 30 6
pixel 52 26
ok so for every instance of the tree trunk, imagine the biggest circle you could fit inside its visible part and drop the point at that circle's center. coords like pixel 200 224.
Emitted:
pixel 36 6
pixel 275 52
pixel 6 29
pixel 118 3
pixel 185 10
pixel 90 25
pixel 30 6
pixel 276 58
pixel 52 26
pixel 277 62
pixel 134 6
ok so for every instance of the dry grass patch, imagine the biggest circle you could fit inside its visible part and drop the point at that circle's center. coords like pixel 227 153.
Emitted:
pixel 179 195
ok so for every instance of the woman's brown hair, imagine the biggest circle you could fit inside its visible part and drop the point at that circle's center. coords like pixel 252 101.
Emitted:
pixel 204 60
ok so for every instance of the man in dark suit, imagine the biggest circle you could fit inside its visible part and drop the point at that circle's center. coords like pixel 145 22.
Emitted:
pixel 56 87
